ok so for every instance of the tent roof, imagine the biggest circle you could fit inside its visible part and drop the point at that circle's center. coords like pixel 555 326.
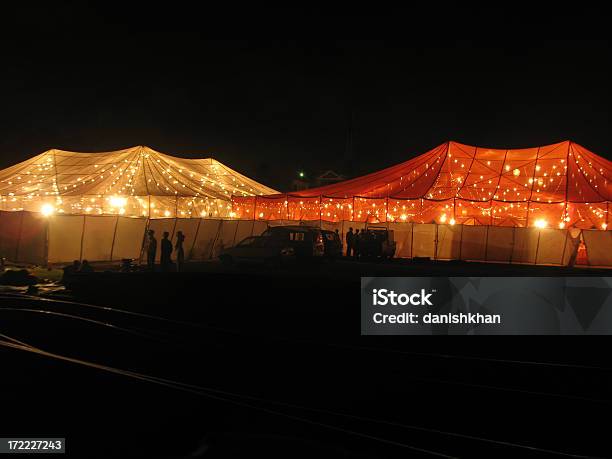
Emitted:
pixel 136 171
pixel 559 172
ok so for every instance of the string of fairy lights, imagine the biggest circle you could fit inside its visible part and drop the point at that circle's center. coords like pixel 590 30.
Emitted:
pixel 137 182
pixel 562 185
pixel 559 186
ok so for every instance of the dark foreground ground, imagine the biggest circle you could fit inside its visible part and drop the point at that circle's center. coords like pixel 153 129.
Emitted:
pixel 258 362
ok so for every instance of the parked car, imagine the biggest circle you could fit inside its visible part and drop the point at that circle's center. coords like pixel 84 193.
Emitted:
pixel 377 242
pixel 332 243
pixel 306 241
pixel 258 249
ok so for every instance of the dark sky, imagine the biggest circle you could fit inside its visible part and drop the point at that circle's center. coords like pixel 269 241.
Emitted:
pixel 269 102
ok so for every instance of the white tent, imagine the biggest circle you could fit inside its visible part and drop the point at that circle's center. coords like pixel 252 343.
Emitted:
pixel 59 206
pixel 137 181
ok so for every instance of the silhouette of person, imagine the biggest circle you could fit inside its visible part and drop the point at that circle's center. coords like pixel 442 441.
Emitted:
pixel 151 250
pixel 86 267
pixel 350 239
pixel 166 252
pixel 180 252
pixel 70 270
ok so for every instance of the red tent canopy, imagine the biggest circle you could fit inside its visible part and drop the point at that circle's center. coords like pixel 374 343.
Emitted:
pixel 559 185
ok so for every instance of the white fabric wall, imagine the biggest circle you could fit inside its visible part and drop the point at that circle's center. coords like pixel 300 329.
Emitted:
pixel 65 234
pixel 449 242
pixel 189 227
pixel 500 240
pixel 10 229
pixel 98 235
pixel 550 246
pixel 599 247
pixel 423 240
pixel 23 237
pixel 525 245
pixel 128 238
pixel 402 235
pixel 473 243
pixel 27 237
pixel 205 239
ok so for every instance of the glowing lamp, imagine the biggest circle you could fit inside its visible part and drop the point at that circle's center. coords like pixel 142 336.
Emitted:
pixel 47 209
pixel 118 201
pixel 516 172
pixel 604 226
pixel 443 218
pixel 540 223
pixel 452 221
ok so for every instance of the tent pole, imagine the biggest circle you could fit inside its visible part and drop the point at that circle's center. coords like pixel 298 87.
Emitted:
pixel 535 262
pixel 212 247
pixel 144 238
pixel 82 238
pixel 195 238
pixel 114 237
pixel 436 243
pixel 173 228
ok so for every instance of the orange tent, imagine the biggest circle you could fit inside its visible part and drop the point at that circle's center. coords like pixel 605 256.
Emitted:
pixel 558 186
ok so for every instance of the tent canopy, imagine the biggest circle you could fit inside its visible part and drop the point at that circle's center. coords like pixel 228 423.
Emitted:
pixel 559 185
pixel 137 181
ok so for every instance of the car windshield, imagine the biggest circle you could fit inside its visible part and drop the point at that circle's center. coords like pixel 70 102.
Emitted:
pixel 249 241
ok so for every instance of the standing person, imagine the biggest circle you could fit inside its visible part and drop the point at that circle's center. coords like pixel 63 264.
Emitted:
pixel 180 252
pixel 350 237
pixel 166 252
pixel 151 250
pixel 356 245
pixel 86 267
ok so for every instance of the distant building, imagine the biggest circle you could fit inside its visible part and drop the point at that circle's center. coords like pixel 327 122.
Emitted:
pixel 326 178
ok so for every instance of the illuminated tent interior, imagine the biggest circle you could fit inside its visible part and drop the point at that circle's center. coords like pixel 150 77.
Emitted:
pixel 133 182
pixel 61 205
pixel 560 185
pixel 459 189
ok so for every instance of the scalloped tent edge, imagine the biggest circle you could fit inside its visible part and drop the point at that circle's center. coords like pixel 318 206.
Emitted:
pixel 561 185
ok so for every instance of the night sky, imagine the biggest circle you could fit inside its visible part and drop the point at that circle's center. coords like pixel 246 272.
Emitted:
pixel 269 103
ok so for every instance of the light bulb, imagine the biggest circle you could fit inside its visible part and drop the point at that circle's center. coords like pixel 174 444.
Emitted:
pixel 47 209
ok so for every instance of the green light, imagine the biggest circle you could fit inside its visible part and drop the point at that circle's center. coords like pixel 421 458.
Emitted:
pixel 301 174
